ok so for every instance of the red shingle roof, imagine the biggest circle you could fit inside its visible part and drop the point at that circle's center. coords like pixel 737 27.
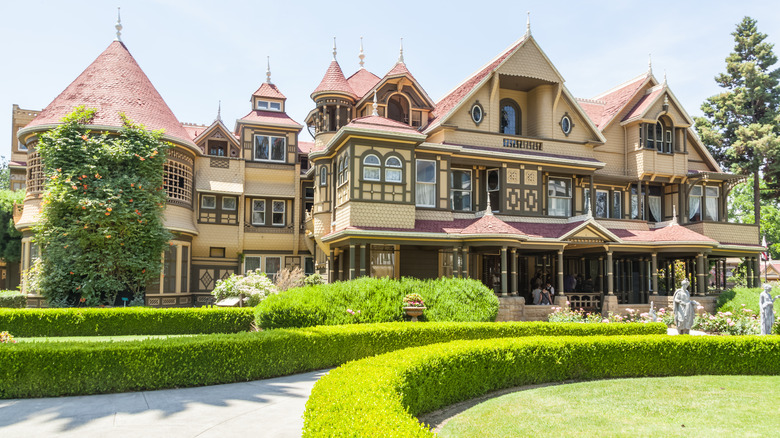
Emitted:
pixel 304 147
pixel 612 101
pixel 671 233
pixel 268 90
pixel 193 130
pixel 273 117
pixel 334 81
pixel 113 84
pixel 489 224
pixel 644 103
pixel 453 98
pixel 362 82
pixel 380 123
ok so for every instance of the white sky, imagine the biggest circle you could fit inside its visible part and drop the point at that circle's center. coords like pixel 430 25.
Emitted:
pixel 198 52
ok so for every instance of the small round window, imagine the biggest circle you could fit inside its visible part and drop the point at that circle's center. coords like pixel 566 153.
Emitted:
pixel 477 113
pixel 566 124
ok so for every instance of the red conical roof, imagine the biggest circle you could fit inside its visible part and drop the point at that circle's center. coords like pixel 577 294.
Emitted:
pixel 113 84
pixel 334 81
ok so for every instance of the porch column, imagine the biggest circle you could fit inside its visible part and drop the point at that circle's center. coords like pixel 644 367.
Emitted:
pixel 610 289
pixel 351 262
pixel 341 265
pixel 178 268
pixel 362 260
pixel 559 291
pixel 723 272
pixel 503 272
pixel 757 271
pixel 642 279
pixel 748 272
pixel 466 261
pixel 397 261
pixel 601 274
pixel 654 272
pixel 513 264
pixel 700 280
pixel 332 267
pixel 592 197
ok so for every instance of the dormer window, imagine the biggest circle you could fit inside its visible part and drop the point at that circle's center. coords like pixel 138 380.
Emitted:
pixel 217 148
pixel 269 106
pixel 510 122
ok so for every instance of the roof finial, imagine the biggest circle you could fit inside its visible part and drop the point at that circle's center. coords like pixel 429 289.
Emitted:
pixel 650 62
pixel 528 23
pixel 334 48
pixel 118 26
pixel 664 77
pixel 488 208
pixel 590 211
pixel 376 107
pixel 361 56
pixel 219 111
pixel 674 214
pixel 401 54
pixel 268 71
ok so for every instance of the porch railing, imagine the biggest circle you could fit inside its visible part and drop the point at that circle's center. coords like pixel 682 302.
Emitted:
pixel 588 301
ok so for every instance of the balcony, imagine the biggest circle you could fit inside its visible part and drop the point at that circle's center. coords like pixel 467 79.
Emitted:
pixel 727 233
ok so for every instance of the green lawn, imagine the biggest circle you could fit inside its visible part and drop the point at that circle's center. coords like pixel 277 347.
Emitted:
pixel 96 338
pixel 675 406
pixel 733 299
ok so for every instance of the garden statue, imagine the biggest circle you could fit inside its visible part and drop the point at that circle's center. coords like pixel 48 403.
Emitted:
pixel 684 310
pixel 653 316
pixel 767 310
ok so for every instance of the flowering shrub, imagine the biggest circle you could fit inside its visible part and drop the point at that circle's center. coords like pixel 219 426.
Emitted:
pixel 289 278
pixel 254 285
pixel 414 300
pixel 6 338
pixel 313 280
pixel 745 322
pixel 572 315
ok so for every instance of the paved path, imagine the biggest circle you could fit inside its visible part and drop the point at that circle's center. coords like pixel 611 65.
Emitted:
pixel 265 408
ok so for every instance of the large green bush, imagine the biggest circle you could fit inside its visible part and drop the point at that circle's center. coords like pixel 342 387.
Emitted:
pixel 367 299
pixel 49 369
pixel 14 299
pixel 124 321
pixel 385 392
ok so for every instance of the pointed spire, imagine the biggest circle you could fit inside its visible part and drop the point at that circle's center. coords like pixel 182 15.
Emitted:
pixel 674 215
pixel 361 56
pixel 219 111
pixel 268 71
pixel 118 26
pixel 334 48
pixel 401 54
pixel 650 63
pixel 488 208
pixel 664 77
pixel 590 210
pixel 528 23
pixel 376 107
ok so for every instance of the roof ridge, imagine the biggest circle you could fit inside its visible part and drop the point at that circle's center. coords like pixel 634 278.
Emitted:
pixel 644 75
pixel 594 101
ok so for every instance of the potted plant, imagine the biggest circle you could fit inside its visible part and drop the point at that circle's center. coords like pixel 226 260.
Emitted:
pixel 414 305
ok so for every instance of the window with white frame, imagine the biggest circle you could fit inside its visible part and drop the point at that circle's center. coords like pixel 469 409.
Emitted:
pixel 323 176
pixel 393 172
pixel 461 187
pixel 268 148
pixel 372 170
pixel 208 202
pixel 617 205
pixel 252 263
pixel 269 106
pixel 711 203
pixel 559 197
pixel 258 212
pixel 229 203
pixel 425 189
pixel 343 174
pixel 694 204
pixel 278 213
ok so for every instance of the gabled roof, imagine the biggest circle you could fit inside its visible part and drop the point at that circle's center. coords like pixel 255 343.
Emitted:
pixel 456 96
pixel 603 108
pixel 193 129
pixel 218 125
pixel 362 81
pixel 644 103
pixel 489 224
pixel 398 70
pixel 380 123
pixel 269 118
pixel 673 233
pixel 114 83
pixel 334 82
pixel 304 147
pixel 268 90
pixel 591 225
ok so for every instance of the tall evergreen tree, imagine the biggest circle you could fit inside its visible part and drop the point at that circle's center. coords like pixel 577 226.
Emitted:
pixel 740 125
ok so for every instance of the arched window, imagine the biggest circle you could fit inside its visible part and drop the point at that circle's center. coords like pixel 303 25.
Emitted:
pixel 323 176
pixel 372 170
pixel 398 108
pixel 659 136
pixel 393 172
pixel 510 118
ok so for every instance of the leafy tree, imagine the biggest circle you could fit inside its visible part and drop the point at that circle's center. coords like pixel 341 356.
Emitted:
pixel 101 230
pixel 740 127
pixel 10 237
pixel 742 210
pixel 5 174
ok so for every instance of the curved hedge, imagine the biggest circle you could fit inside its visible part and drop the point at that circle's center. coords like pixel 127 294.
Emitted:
pixel 118 321
pixel 77 368
pixel 386 392
pixel 370 300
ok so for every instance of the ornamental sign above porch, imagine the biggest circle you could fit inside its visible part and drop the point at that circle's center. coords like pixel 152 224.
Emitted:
pixel 522 144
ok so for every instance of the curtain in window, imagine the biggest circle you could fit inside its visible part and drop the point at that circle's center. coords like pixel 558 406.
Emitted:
pixel 426 194
pixel 693 206
pixel 654 202
pixel 712 209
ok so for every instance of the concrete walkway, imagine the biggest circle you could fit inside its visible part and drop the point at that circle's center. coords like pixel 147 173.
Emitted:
pixel 267 408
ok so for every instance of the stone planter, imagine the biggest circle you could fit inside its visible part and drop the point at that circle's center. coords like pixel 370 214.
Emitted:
pixel 414 312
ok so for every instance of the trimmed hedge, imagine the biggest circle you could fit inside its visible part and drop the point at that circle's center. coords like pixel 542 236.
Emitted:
pixel 124 321
pixel 13 299
pixel 371 300
pixel 78 368
pixel 385 393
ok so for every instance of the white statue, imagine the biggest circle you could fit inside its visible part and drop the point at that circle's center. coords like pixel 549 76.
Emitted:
pixel 767 310
pixel 684 309
pixel 653 315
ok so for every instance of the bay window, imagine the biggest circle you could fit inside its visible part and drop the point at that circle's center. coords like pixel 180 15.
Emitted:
pixel 371 168
pixel 393 172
